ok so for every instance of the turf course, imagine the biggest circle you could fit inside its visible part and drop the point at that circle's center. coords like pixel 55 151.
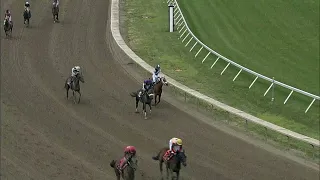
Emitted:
pixel 275 38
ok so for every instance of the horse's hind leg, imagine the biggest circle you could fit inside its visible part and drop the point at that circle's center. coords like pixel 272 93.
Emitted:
pixel 161 168
pixel 159 98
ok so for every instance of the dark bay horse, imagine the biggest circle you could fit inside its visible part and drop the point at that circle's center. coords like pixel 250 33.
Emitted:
pixel 145 99
pixel 73 83
pixel 157 89
pixel 7 27
pixel 173 164
pixel 128 169
pixel 26 16
pixel 55 13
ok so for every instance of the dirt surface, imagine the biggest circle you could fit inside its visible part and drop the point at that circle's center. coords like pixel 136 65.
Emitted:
pixel 45 136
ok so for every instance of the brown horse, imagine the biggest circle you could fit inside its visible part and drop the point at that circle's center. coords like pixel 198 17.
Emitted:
pixel 128 169
pixel 157 89
pixel 173 164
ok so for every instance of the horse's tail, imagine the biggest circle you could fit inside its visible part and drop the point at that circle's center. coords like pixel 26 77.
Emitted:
pixel 156 158
pixel 134 94
pixel 113 163
pixel 66 84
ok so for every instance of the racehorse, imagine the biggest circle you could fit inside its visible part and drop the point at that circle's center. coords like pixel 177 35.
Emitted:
pixel 55 13
pixel 7 27
pixel 157 89
pixel 26 17
pixel 73 83
pixel 173 164
pixel 128 169
pixel 145 98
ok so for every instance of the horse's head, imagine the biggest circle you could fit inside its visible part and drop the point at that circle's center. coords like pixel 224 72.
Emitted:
pixel 182 157
pixel 164 81
pixel 133 162
pixel 6 21
pixel 80 77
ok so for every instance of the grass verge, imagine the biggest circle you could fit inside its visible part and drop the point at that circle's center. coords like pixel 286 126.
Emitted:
pixel 147 36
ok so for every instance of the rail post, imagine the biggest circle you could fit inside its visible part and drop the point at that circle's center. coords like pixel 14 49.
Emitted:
pixel 171 17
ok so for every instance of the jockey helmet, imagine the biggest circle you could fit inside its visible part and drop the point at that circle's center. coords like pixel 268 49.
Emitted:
pixel 8 12
pixel 157 67
pixel 27 3
pixel 130 149
pixel 179 142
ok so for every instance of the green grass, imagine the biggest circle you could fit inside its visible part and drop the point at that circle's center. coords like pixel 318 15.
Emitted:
pixel 148 36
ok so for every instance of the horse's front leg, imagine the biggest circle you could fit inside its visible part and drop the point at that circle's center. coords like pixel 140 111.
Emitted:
pixel 155 99
pixel 178 175
pixel 74 97
pixel 150 107
pixel 137 104
pixel 79 96
pixel 145 110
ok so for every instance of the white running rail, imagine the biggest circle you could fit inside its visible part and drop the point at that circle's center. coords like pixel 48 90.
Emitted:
pixel 115 31
pixel 185 32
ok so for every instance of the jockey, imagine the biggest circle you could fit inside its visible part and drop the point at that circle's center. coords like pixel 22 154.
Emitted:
pixel 75 71
pixel 55 3
pixel 175 145
pixel 27 6
pixel 146 86
pixel 156 73
pixel 129 152
pixel 7 15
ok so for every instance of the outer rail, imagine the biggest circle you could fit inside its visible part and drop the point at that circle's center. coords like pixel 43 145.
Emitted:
pixel 186 32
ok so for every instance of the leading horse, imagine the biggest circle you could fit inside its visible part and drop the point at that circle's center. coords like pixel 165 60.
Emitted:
pixel 7 27
pixel 145 99
pixel 73 83
pixel 173 164
pixel 26 16
pixel 55 13
pixel 129 168
pixel 157 89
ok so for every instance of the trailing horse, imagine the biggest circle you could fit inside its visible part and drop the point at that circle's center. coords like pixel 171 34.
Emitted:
pixel 145 98
pixel 129 168
pixel 55 13
pixel 26 17
pixel 157 89
pixel 173 162
pixel 73 83
pixel 8 27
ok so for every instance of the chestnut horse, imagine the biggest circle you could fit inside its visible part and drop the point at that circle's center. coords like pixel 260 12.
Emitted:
pixel 157 89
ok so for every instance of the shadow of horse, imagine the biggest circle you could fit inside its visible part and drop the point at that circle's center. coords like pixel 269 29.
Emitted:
pixel 8 28
pixel 73 83
pixel 26 17
pixel 129 168
pixel 55 13
pixel 173 164
pixel 157 89
pixel 145 99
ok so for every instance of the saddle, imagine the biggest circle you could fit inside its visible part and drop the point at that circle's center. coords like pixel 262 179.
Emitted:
pixel 168 155
pixel 123 163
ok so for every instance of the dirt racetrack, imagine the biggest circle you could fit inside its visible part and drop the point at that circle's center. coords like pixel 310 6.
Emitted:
pixel 44 136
